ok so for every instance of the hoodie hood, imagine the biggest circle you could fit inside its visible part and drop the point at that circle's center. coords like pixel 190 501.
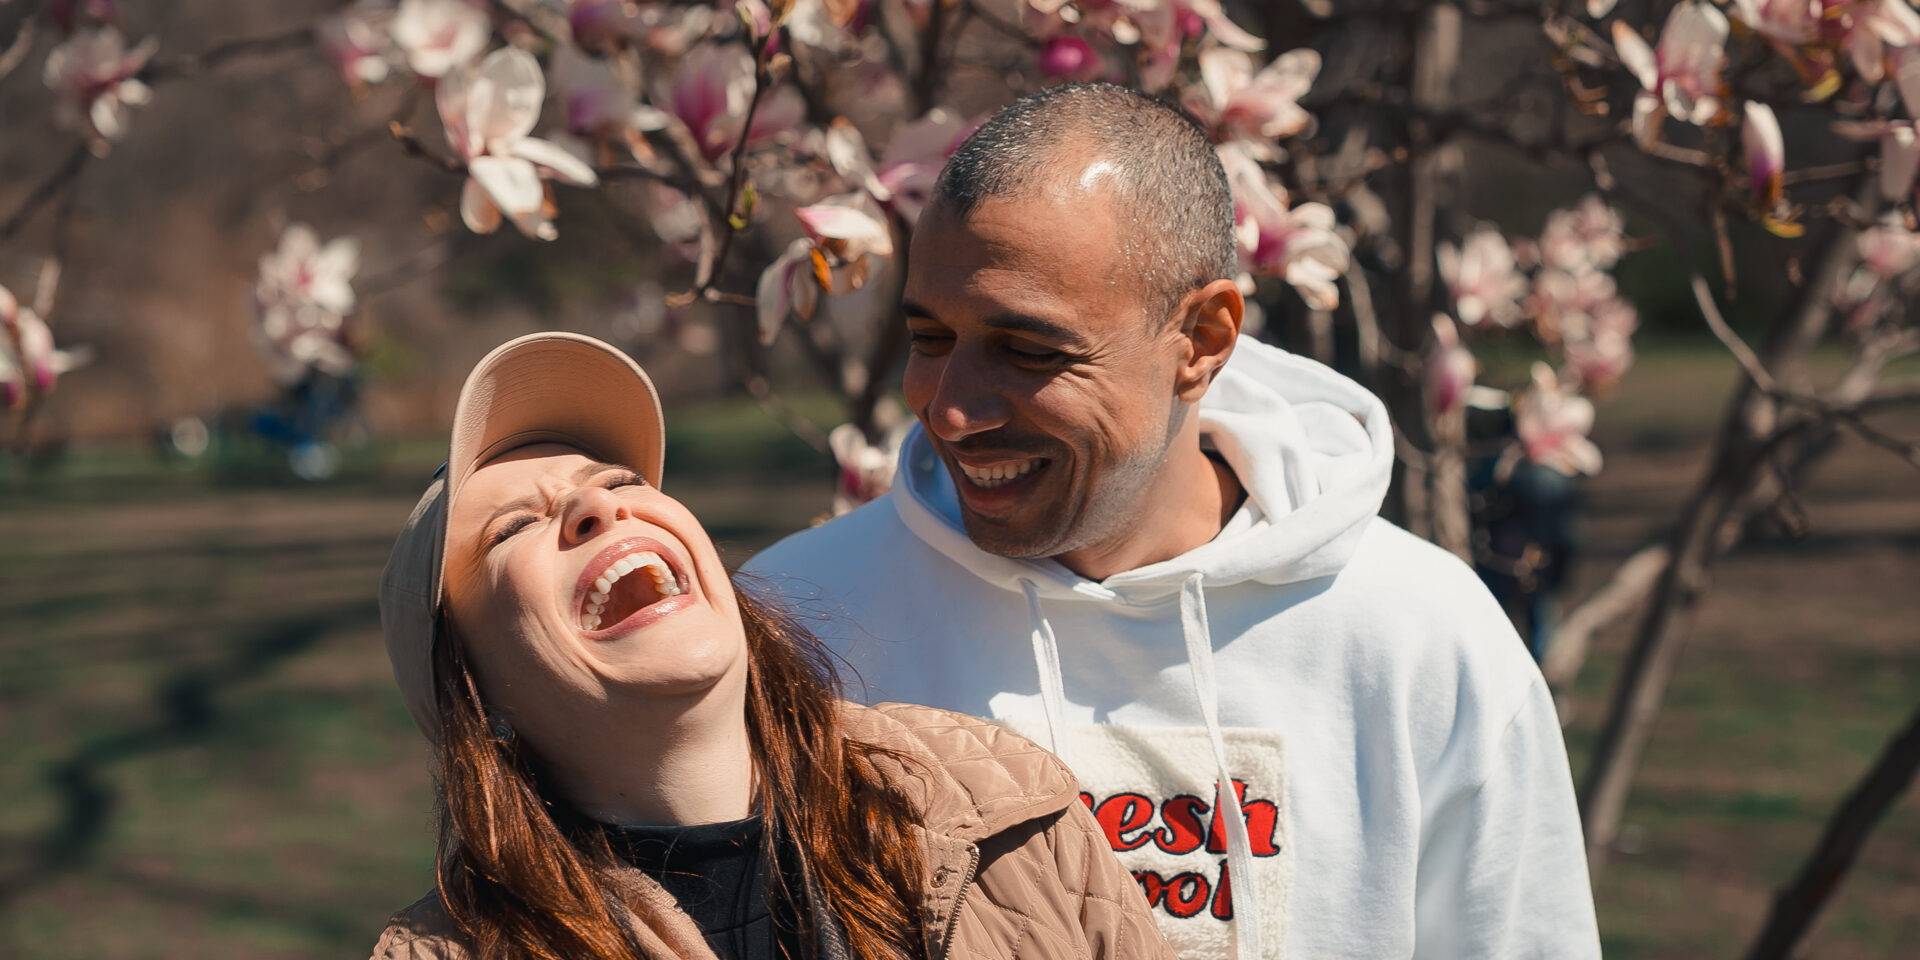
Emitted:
pixel 1313 449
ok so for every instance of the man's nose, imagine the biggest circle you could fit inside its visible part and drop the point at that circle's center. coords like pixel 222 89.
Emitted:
pixel 590 512
pixel 967 399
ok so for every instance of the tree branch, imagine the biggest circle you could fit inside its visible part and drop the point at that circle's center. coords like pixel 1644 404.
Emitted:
pixel 194 64
pixel 48 189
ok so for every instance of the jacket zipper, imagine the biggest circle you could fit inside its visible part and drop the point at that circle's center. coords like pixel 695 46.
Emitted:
pixel 966 883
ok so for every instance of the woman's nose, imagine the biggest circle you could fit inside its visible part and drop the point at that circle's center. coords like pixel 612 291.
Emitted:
pixel 589 512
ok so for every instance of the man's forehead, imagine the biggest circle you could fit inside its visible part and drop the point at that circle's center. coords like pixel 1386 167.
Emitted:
pixel 1033 247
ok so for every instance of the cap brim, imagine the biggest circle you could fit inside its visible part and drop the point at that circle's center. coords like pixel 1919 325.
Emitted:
pixel 557 388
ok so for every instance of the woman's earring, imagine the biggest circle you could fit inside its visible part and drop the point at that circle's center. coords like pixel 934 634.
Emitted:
pixel 498 730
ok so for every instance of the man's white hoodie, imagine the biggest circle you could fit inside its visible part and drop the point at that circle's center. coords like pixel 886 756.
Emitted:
pixel 1395 757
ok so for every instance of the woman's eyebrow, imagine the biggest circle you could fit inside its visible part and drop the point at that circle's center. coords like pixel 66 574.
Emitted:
pixel 532 501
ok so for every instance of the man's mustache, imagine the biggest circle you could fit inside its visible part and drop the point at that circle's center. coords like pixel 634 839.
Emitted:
pixel 1001 443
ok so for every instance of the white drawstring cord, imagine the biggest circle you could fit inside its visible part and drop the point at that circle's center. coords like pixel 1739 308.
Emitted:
pixel 1046 661
pixel 1246 891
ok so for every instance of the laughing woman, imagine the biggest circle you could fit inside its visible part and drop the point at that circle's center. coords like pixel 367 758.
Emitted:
pixel 638 760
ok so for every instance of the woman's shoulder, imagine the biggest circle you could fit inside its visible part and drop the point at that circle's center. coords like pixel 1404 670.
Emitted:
pixel 421 931
pixel 983 769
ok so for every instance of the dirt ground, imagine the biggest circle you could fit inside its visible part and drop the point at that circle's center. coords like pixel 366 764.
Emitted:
pixel 206 756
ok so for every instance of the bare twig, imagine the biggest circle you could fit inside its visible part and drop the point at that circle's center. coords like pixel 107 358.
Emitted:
pixel 49 188
pixel 1622 594
pixel 1749 361
pixel 709 268
pixel 412 143
pixel 194 64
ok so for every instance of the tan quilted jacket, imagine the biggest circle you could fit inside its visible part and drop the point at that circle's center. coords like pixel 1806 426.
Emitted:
pixel 1015 865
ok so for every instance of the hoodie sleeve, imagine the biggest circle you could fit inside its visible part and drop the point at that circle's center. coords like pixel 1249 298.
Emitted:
pixel 1503 869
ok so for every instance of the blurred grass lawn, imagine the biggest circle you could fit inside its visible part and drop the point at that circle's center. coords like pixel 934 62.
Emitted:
pixel 206 756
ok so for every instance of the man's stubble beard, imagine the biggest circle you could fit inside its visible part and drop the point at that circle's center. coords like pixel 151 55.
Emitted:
pixel 1088 517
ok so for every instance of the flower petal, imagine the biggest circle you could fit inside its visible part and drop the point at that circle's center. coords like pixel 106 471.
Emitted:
pixel 477 210
pixel 555 159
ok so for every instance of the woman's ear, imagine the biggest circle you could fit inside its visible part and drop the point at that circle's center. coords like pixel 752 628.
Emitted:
pixel 1209 329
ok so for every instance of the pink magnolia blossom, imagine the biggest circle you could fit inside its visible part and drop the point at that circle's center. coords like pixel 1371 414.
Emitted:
pixel 1483 277
pixel 488 111
pixel 913 158
pixel 302 298
pixel 358 40
pixel 602 106
pixel 866 469
pixel 1765 153
pixel 1589 235
pixel 605 26
pixel 1792 23
pixel 1449 369
pixel 1899 139
pixel 29 364
pixel 843 237
pixel 710 94
pixel 1683 73
pixel 93 73
pixel 1237 102
pixel 438 37
pixel 787 288
pixel 1070 57
pixel 1599 362
pixel 68 14
pixel 1564 302
pixel 1552 422
pixel 1888 249
pixel 1872 28
pixel 1299 243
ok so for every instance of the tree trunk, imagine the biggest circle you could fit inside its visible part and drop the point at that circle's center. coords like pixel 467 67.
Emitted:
pixel 1750 437
pixel 1430 498
pixel 1800 902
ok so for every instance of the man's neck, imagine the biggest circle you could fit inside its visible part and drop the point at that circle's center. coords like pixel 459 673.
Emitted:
pixel 1193 499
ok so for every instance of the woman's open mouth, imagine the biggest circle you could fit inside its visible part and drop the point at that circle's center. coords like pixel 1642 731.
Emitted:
pixel 629 578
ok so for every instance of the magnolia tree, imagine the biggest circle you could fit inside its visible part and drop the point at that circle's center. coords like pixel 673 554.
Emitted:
pixel 785 149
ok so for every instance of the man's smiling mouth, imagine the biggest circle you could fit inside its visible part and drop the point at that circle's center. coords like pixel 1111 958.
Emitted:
pixel 637 580
pixel 999 474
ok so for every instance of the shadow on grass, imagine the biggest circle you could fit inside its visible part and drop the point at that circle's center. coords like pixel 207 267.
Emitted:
pixel 189 710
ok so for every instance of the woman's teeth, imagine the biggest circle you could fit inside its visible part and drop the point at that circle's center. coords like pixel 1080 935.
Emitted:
pixel 999 475
pixel 663 583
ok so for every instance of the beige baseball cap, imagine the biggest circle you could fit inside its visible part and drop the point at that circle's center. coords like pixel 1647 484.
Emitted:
pixel 541 388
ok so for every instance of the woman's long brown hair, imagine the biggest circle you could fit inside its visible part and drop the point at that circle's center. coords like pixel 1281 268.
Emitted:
pixel 526 877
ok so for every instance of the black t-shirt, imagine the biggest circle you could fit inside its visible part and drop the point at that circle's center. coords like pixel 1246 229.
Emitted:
pixel 717 873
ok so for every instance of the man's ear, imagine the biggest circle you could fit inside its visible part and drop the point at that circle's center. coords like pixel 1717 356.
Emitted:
pixel 1209 328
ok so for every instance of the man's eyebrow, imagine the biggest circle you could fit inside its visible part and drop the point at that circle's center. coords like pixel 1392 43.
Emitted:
pixel 1027 323
pixel 912 309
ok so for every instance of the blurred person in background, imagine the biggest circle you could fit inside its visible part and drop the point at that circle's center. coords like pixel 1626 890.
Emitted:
pixel 1151 543
pixel 637 760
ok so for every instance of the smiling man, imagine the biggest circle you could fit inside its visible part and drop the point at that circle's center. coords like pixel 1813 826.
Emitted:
pixel 1125 530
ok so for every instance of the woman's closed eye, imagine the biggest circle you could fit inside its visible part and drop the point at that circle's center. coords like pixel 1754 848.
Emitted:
pixel 509 527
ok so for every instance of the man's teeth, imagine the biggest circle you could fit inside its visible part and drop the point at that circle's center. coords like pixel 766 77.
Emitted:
pixel 663 583
pixel 999 475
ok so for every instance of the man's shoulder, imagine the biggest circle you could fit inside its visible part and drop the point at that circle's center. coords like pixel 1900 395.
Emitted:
pixel 1411 605
pixel 855 538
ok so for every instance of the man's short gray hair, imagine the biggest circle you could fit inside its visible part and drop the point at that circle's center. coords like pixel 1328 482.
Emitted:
pixel 1169 184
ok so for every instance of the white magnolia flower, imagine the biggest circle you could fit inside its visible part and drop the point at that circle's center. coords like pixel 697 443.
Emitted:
pixel 1588 236
pixel 1299 242
pixel 866 469
pixel 1484 278
pixel 440 36
pixel 93 72
pixel 1237 102
pixel 1683 73
pixel 358 41
pixel 303 296
pixel 488 112
pixel 1552 422
pixel 29 364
